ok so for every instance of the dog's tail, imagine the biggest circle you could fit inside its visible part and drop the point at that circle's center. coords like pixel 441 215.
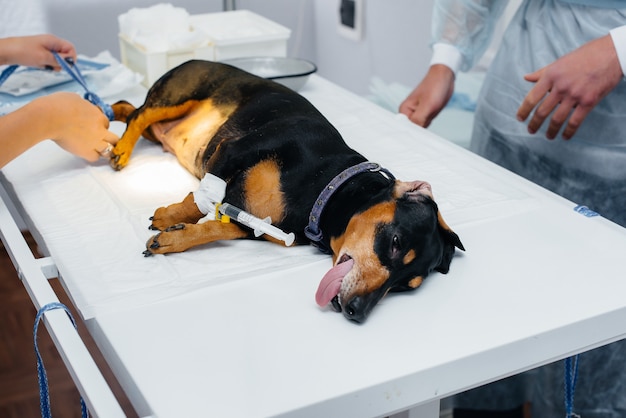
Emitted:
pixel 122 110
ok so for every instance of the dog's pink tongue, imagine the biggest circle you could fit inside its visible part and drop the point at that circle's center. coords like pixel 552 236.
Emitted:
pixel 331 282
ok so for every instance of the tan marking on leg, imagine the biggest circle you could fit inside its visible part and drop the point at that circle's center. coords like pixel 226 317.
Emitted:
pixel 264 196
pixel 184 212
pixel 192 235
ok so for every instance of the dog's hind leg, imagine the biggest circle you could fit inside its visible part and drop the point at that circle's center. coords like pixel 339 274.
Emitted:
pixel 184 212
pixel 181 237
pixel 137 122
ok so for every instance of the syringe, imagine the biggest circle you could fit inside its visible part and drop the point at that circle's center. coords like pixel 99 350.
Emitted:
pixel 208 199
pixel 259 226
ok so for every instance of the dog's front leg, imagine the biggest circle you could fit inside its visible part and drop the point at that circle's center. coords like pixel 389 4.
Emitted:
pixel 185 212
pixel 181 237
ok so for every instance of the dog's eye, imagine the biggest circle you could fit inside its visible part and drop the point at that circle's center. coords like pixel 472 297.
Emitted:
pixel 395 246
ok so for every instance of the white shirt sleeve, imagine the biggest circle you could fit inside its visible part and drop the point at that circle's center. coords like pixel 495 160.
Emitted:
pixel 448 55
pixel 619 41
pixel 467 25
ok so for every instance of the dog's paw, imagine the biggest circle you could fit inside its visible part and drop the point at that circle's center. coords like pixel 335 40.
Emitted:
pixel 185 212
pixel 161 220
pixel 119 157
pixel 171 240
pixel 153 246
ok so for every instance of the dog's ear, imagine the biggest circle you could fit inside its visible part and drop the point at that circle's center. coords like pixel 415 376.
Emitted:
pixel 451 240
pixel 449 235
pixel 415 188
pixel 411 189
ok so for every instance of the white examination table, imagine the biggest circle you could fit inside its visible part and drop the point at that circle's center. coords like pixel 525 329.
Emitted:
pixel 232 329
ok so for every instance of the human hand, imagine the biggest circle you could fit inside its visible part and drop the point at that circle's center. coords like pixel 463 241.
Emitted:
pixel 35 51
pixel 571 87
pixel 76 125
pixel 430 96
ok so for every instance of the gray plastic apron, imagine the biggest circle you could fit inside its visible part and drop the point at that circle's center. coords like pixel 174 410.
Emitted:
pixel 589 169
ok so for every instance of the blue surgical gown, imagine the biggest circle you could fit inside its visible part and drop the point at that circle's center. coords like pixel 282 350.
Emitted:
pixel 589 169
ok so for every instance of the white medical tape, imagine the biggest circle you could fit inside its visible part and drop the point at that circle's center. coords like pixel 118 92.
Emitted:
pixel 211 191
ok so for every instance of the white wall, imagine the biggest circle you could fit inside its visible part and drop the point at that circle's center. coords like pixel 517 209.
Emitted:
pixel 92 24
pixel 25 17
pixel 297 15
pixel 395 46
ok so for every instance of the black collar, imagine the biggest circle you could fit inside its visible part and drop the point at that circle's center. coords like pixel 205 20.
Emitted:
pixel 312 230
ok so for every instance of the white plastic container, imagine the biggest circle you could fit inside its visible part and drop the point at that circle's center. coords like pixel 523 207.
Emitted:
pixel 153 65
pixel 233 34
pixel 242 33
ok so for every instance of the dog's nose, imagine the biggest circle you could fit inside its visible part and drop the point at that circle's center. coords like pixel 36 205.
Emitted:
pixel 354 310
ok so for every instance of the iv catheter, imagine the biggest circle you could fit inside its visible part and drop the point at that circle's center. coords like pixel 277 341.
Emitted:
pixel 209 198
pixel 259 226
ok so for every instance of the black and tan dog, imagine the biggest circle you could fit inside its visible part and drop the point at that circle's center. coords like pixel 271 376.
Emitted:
pixel 281 158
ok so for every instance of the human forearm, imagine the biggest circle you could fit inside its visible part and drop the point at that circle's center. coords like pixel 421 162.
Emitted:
pixel 430 96
pixel 72 122
pixel 22 129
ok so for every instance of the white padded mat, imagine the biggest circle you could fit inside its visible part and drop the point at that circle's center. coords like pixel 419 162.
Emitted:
pixel 95 220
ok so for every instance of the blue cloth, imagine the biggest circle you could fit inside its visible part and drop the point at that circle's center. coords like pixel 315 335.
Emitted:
pixel 589 169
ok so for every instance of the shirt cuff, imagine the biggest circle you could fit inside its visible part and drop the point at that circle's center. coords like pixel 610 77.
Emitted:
pixel 619 41
pixel 451 57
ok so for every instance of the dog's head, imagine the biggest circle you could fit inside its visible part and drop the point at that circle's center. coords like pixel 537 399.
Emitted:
pixel 391 246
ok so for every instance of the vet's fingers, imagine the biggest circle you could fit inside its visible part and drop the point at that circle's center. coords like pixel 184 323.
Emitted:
pixel 421 112
pixel 533 77
pixel 64 48
pixel 422 118
pixel 105 150
pixel 543 110
pixel 407 107
pixel 559 117
pixel 415 113
pixel 577 117
pixel 410 105
pixel 534 96
pixel 111 138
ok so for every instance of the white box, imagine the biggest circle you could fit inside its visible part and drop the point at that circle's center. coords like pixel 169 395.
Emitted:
pixel 242 33
pixel 153 65
pixel 234 34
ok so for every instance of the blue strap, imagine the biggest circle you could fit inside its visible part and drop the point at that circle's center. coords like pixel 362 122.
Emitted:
pixel 44 396
pixel 6 73
pixel 571 376
pixel 73 71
